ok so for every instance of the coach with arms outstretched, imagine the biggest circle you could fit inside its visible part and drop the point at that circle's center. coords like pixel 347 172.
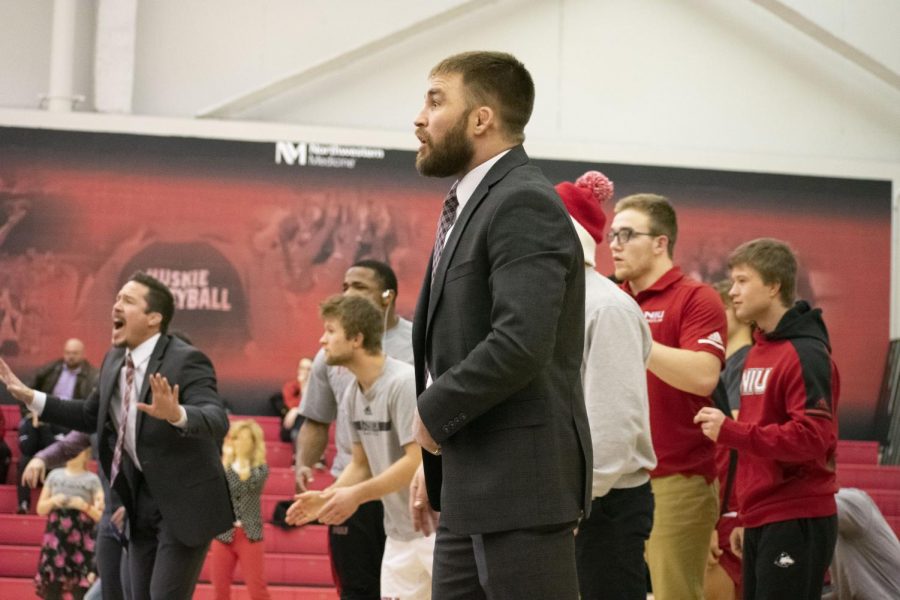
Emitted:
pixel 160 424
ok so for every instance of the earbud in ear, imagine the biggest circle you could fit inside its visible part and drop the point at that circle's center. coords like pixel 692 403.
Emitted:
pixel 386 294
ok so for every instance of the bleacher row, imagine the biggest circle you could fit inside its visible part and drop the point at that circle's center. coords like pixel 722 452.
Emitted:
pixel 297 565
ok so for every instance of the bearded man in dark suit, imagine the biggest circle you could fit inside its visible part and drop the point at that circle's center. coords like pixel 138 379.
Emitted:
pixel 498 337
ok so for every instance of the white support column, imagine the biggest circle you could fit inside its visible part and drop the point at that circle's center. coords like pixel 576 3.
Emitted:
pixel 60 96
pixel 114 56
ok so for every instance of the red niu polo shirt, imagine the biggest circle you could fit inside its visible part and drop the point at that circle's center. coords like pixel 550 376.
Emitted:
pixel 687 314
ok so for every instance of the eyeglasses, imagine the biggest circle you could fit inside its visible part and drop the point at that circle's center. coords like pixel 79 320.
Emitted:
pixel 625 234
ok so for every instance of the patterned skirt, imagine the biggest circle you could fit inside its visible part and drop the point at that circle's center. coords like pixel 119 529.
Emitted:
pixel 67 552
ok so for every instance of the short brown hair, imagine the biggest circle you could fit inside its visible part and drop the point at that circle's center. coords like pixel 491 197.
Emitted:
pixel 356 315
pixel 658 210
pixel 496 79
pixel 773 260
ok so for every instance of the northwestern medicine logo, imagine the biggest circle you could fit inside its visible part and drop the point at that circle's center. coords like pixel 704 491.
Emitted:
pixel 333 156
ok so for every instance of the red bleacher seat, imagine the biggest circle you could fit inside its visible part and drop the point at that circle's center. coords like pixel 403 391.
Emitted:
pixel 868 477
pixel 279 454
pixel 888 501
pixel 271 426
pixel 11 436
pixel 290 569
pixel 857 452
pixel 18 561
pixel 21 530
pixel 8 498
pixel 11 414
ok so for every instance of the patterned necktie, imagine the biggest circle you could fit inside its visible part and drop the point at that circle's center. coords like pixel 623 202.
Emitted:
pixel 123 421
pixel 448 215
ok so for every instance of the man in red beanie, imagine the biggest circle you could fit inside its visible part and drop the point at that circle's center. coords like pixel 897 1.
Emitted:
pixel 609 545
pixel 687 320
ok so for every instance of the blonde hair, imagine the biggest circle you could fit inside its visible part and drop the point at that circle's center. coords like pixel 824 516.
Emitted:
pixel 259 445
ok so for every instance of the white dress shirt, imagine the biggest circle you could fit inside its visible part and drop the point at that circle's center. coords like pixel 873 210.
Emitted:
pixel 465 187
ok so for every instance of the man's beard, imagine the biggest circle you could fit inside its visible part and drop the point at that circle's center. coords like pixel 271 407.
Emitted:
pixel 451 156
pixel 338 360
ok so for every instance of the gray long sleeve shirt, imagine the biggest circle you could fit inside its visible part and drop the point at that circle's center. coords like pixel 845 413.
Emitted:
pixel 617 344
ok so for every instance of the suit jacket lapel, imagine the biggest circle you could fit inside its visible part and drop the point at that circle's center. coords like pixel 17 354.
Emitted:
pixel 516 157
pixel 108 385
pixel 153 366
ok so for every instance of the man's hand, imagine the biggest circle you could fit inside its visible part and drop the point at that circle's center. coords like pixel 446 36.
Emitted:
pixel 710 420
pixel 714 551
pixel 34 472
pixel 737 541
pixel 422 435
pixel 290 417
pixel 424 518
pixel 163 401
pixel 17 389
pixel 305 508
pixel 340 506
pixel 303 477
pixel 118 519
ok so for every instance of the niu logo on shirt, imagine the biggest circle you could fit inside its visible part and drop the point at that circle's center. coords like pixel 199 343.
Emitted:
pixel 753 381
pixel 654 316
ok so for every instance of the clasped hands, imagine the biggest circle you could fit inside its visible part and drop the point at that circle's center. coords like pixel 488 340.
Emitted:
pixel 76 502
pixel 331 506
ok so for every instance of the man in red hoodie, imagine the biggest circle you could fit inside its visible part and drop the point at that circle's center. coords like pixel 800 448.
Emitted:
pixel 786 432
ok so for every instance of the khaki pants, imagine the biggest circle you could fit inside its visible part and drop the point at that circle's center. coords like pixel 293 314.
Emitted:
pixel 686 512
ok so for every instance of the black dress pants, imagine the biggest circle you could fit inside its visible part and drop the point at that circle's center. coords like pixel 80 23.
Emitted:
pixel 159 565
pixel 537 562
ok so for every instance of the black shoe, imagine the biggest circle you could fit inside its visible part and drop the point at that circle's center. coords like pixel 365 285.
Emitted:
pixel 22 508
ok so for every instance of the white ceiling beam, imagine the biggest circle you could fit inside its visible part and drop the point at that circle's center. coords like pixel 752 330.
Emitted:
pixel 242 102
pixel 831 41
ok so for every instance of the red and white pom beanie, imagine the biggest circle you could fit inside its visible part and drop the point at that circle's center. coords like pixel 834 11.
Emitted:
pixel 584 200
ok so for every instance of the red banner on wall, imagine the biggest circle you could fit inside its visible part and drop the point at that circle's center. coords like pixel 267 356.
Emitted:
pixel 251 236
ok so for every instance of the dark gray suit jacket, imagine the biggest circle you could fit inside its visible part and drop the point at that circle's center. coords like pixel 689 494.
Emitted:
pixel 182 469
pixel 502 332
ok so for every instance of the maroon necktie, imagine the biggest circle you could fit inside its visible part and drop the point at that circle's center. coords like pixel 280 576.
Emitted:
pixel 448 215
pixel 123 421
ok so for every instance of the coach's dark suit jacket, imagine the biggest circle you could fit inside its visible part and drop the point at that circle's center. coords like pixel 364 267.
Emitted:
pixel 182 469
pixel 502 332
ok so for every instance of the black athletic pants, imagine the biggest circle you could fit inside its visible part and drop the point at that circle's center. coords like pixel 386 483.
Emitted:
pixel 788 559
